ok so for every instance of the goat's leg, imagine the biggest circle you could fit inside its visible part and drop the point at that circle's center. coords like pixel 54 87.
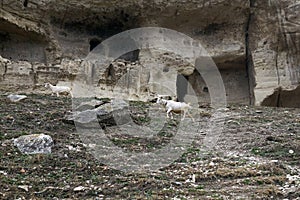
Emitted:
pixel 183 115
pixel 190 116
pixel 171 115
pixel 169 112
pixel 57 94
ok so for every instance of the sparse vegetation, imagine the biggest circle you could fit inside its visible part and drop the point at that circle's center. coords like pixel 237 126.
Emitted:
pixel 255 155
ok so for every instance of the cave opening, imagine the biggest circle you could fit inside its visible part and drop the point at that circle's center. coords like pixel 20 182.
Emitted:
pixel 283 98
pixel 17 45
pixel 110 75
pixel 25 3
pixel 205 89
pixel 94 43
pixel 235 80
pixel 131 56
pixel 181 87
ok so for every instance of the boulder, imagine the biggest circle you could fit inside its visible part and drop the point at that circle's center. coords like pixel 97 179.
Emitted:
pixel 34 144
pixel 111 113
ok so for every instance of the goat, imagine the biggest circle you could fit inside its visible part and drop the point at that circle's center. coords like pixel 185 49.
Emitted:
pixel 4 60
pixel 59 89
pixel 175 107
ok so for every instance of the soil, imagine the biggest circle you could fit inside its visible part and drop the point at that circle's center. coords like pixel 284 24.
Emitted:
pixel 257 156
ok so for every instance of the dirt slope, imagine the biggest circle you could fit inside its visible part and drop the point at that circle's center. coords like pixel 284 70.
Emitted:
pixel 252 160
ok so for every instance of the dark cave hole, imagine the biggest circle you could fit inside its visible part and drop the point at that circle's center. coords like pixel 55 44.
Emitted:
pixel 93 43
pixel 181 87
pixel 111 72
pixel 166 69
pixel 25 3
pixel 131 56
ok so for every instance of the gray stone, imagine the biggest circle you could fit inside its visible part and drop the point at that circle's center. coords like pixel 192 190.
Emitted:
pixel 34 144
pixel 115 112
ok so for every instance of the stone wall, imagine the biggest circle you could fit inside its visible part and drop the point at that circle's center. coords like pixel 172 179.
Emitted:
pixel 255 44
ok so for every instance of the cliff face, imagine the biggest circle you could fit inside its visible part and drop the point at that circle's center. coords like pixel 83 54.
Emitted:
pixel 255 45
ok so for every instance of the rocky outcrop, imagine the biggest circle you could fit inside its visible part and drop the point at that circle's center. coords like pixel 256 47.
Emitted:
pixel 273 46
pixel 255 45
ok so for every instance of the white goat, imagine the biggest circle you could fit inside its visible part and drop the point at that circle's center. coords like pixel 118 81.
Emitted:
pixel 59 89
pixel 176 107
pixel 4 60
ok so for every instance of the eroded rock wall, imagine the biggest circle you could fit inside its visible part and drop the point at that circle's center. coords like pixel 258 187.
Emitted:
pixel 273 46
pixel 255 44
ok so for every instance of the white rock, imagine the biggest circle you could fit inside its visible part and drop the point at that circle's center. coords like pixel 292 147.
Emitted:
pixel 24 187
pixel 34 143
pixel 193 178
pixel 16 97
pixel 3 172
pixel 79 188
pixel 291 151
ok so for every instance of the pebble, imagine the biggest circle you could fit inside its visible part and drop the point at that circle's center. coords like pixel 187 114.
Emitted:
pixel 79 188
pixel 3 172
pixel 291 151
pixel 24 187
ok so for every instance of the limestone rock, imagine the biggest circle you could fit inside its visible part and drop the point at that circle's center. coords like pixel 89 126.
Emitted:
pixel 34 144
pixel 255 45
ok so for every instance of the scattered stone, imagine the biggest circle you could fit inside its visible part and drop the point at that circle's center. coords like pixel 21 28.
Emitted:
pixel 291 151
pixel 79 188
pixel 71 148
pixel 259 111
pixel 193 178
pixel 3 172
pixel 24 187
pixel 16 97
pixel 34 144
pixel 177 183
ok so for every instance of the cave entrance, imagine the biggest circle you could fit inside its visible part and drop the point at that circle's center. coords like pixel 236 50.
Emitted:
pixel 25 3
pixel 93 43
pixel 131 56
pixel 283 98
pixel 235 79
pixel 17 44
pixel 181 87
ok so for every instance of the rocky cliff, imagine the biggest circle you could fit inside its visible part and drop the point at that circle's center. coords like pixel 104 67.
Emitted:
pixel 255 45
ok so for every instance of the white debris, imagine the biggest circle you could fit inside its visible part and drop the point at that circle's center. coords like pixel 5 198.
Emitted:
pixel 291 151
pixel 3 172
pixel 16 97
pixel 194 178
pixel 71 148
pixel 79 188
pixel 24 187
